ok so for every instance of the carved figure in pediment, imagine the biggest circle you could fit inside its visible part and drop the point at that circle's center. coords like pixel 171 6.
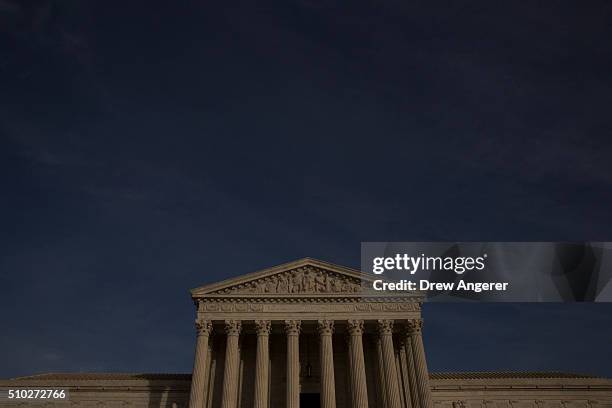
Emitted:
pixel 259 286
pixel 296 282
pixel 299 280
pixel 320 282
pixel 289 283
pixel 337 284
pixel 328 283
pixel 270 286
pixel 309 282
pixel 282 284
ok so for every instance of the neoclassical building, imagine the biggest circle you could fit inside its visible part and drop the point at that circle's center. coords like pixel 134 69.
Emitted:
pixel 313 334
pixel 306 332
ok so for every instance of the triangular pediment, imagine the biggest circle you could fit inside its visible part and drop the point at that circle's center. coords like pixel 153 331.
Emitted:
pixel 303 277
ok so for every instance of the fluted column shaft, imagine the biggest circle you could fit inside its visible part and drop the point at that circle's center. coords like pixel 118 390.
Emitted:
pixel 292 328
pixel 400 382
pixel 211 379
pixel 381 373
pixel 412 375
pixel 328 382
pixel 349 361
pixel 262 363
pixel 207 389
pixel 420 363
pixel 385 330
pixel 407 388
pixel 230 374
pixel 198 378
pixel 359 390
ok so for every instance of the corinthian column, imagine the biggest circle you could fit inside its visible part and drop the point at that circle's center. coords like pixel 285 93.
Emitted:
pixel 359 389
pixel 407 375
pixel 328 383
pixel 198 378
pixel 349 368
pixel 292 328
pixel 420 363
pixel 400 382
pixel 230 374
pixel 380 371
pixel 262 363
pixel 385 330
pixel 412 375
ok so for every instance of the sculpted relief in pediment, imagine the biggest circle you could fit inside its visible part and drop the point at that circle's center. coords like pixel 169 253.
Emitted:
pixel 304 280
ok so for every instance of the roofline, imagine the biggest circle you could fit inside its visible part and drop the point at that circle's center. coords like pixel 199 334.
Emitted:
pixel 437 376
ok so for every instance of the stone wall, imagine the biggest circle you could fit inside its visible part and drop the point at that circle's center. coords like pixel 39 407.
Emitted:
pixel 479 390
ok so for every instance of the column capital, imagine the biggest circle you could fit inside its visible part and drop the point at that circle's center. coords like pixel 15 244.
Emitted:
pixel 326 327
pixel 355 327
pixel 203 327
pixel 414 326
pixel 233 327
pixel 263 327
pixel 385 327
pixel 293 327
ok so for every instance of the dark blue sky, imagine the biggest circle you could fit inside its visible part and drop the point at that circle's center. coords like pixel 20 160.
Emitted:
pixel 150 147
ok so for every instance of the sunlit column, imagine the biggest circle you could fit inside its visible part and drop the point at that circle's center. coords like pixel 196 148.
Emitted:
pixel 420 363
pixel 406 374
pixel 381 372
pixel 198 378
pixel 262 363
pixel 359 390
pixel 412 374
pixel 230 374
pixel 328 383
pixel 292 328
pixel 385 331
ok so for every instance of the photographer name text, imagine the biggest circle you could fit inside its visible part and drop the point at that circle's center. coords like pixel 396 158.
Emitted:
pixel 425 285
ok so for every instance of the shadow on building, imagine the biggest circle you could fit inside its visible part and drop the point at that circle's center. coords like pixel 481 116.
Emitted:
pixel 166 390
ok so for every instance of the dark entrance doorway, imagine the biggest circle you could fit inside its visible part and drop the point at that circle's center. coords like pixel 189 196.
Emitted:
pixel 310 400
